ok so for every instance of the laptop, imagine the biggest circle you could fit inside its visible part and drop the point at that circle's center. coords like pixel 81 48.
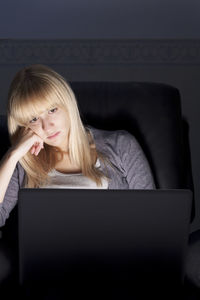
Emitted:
pixel 88 236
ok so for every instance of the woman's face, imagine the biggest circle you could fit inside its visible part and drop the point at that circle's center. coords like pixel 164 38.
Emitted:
pixel 51 122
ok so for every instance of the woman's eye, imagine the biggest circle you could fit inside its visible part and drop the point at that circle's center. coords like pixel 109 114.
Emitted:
pixel 53 109
pixel 32 121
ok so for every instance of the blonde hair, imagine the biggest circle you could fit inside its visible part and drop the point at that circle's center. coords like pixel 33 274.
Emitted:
pixel 34 89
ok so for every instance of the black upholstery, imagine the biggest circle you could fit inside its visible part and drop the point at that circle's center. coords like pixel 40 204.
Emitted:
pixel 150 111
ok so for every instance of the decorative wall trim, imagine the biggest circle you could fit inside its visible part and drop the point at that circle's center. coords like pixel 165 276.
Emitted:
pixel 101 52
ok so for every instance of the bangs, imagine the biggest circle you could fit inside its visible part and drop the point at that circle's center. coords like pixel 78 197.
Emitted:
pixel 28 108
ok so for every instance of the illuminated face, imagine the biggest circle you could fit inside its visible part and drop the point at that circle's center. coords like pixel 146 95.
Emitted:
pixel 53 127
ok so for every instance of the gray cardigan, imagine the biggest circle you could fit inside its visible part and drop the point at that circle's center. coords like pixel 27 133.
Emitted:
pixel 131 169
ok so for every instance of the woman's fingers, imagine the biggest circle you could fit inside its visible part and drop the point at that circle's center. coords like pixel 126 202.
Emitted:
pixel 36 148
pixel 32 150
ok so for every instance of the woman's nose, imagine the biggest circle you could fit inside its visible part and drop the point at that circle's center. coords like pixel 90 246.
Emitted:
pixel 47 125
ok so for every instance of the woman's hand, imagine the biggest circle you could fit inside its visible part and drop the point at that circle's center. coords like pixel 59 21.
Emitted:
pixel 27 141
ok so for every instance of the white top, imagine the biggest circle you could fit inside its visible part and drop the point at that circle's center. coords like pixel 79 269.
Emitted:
pixel 74 181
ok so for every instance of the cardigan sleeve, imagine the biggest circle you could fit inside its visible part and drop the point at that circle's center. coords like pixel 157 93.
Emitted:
pixel 11 195
pixel 134 162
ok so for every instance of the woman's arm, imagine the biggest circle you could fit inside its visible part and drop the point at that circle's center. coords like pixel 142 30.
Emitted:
pixel 26 142
pixel 9 184
pixel 134 162
pixel 11 172
pixel 7 167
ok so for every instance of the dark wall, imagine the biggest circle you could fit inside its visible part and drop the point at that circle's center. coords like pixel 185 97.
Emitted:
pixel 100 19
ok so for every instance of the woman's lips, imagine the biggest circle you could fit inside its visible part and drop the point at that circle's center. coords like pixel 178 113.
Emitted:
pixel 53 136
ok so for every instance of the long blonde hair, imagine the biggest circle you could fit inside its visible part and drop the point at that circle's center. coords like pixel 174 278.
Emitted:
pixel 34 89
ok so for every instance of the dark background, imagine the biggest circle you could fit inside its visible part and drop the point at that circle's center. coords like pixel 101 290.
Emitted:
pixel 129 40
pixel 99 19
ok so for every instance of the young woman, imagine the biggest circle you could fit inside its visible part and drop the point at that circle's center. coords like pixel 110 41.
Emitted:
pixel 51 147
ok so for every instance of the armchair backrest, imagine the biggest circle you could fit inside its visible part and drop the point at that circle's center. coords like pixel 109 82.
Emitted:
pixel 151 112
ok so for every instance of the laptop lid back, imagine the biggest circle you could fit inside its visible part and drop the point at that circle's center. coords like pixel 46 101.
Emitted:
pixel 122 234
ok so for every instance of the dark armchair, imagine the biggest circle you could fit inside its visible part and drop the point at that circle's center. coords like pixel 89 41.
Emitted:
pixel 149 111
